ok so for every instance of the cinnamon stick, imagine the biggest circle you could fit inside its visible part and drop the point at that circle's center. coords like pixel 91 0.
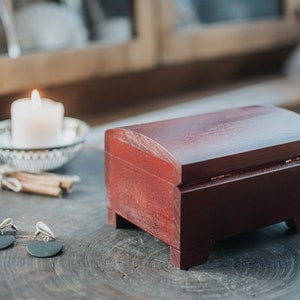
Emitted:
pixel 34 188
pixel 44 183
pixel 47 179
pixel 66 181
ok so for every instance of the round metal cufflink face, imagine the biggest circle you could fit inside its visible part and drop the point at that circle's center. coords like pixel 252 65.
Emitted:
pixel 7 240
pixel 44 247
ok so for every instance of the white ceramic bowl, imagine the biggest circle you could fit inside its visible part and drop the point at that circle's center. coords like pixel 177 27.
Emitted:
pixel 37 160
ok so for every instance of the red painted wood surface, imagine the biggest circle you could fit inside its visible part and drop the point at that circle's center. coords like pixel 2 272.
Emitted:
pixel 194 180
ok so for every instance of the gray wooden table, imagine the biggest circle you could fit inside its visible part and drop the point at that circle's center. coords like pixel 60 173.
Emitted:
pixel 100 262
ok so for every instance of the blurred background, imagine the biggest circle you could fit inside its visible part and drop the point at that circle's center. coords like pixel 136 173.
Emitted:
pixel 107 60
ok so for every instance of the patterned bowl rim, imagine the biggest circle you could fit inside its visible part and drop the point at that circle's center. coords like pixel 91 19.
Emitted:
pixel 5 125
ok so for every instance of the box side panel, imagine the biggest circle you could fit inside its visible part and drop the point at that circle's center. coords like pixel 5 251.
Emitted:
pixel 234 205
pixel 144 153
pixel 142 198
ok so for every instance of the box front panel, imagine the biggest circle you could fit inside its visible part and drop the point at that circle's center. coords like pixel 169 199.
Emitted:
pixel 234 205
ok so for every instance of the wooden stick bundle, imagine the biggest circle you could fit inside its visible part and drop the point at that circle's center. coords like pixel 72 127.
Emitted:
pixel 45 183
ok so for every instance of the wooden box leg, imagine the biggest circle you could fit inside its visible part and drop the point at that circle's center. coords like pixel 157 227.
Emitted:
pixel 188 258
pixel 294 224
pixel 117 221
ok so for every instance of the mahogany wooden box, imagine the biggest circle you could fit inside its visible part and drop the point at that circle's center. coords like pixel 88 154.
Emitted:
pixel 195 180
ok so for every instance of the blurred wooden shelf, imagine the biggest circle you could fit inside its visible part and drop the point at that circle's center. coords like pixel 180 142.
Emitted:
pixel 223 39
pixel 96 59
pixel 156 43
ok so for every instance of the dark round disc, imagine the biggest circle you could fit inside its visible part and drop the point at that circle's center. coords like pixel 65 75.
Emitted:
pixel 6 241
pixel 44 249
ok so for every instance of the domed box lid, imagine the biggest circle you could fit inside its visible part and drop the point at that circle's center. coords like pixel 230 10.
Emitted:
pixel 200 148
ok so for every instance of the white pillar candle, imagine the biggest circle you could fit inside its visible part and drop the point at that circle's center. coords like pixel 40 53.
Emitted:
pixel 36 122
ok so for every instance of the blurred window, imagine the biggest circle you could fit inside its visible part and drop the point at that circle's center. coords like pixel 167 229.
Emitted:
pixel 45 25
pixel 208 12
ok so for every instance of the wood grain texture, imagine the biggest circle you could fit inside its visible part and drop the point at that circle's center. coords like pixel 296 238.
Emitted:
pixel 100 262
